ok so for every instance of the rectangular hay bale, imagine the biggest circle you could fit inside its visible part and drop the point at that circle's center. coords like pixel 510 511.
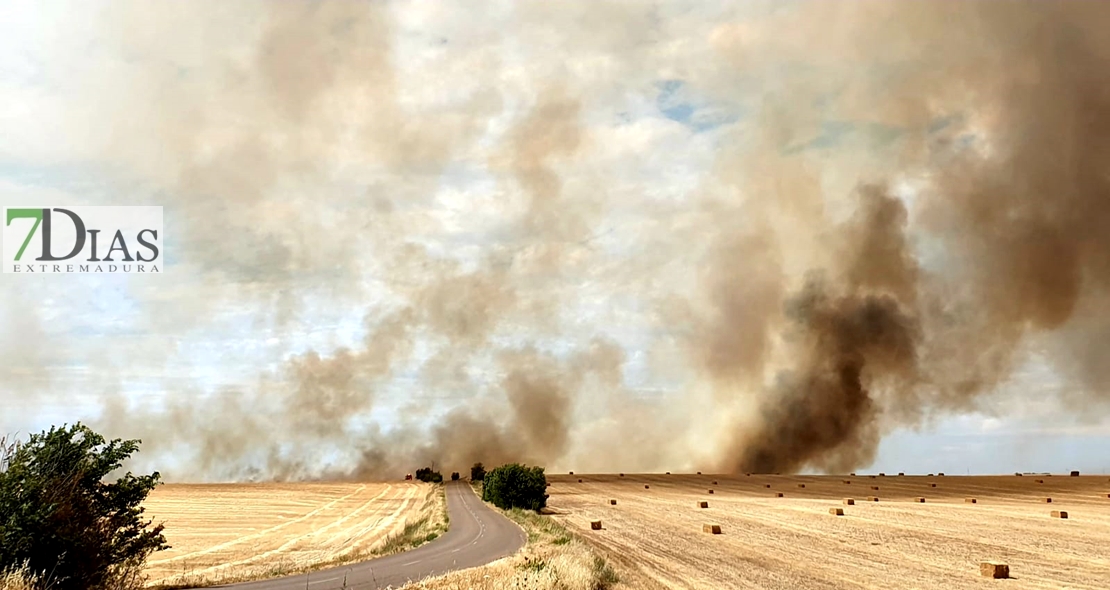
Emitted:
pixel 990 569
pixel 710 491
pixel 876 488
pixel 1059 514
pixel 595 525
pixel 713 529
pixel 919 500
pixel 1048 500
pixel 1075 474
pixel 612 502
pixel 872 498
pixel 778 494
pixel 801 485
pixel 703 504
pixel 836 511
pixel 849 501
pixel 970 501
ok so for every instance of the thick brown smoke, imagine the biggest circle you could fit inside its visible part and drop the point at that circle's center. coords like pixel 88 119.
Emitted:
pixel 1017 210
pixel 900 196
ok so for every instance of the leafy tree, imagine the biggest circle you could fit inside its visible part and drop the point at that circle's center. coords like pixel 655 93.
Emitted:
pixel 454 476
pixel 426 474
pixel 58 515
pixel 515 486
pixel 477 472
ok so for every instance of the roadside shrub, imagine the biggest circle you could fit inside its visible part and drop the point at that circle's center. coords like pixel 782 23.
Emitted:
pixel 426 474
pixel 59 517
pixel 454 476
pixel 477 472
pixel 515 486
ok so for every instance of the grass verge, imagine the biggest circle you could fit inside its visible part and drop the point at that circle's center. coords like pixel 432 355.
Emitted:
pixel 553 559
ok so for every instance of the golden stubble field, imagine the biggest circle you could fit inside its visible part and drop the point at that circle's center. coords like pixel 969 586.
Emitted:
pixel 656 538
pixel 231 532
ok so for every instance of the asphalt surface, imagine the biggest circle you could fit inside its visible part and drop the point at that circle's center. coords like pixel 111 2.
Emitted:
pixel 477 535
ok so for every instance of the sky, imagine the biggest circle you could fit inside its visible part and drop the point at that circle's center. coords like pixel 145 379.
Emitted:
pixel 565 233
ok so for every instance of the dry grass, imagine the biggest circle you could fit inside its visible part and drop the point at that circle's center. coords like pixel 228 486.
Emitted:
pixel 553 559
pixel 656 541
pixel 126 576
pixel 19 579
pixel 230 533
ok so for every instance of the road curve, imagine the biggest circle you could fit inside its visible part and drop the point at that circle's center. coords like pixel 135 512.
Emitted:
pixel 477 536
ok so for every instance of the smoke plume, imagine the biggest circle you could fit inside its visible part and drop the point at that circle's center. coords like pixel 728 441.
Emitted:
pixel 601 237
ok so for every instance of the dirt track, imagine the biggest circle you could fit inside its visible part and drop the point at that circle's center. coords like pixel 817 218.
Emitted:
pixel 233 532
pixel 656 537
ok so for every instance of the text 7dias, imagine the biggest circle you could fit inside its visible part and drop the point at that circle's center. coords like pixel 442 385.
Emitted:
pixel 83 239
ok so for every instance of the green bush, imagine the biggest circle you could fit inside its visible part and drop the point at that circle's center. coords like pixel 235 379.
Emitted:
pixel 515 486
pixel 477 472
pixel 60 518
pixel 426 474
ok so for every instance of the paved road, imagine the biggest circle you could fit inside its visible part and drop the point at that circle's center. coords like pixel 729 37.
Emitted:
pixel 477 536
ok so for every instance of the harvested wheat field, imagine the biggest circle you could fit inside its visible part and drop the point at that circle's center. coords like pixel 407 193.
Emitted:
pixel 655 537
pixel 235 532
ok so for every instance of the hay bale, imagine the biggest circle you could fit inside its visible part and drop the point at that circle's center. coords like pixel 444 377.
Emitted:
pixel 872 498
pixel 801 485
pixel 579 481
pixel 901 474
pixel 852 474
pixel 595 525
pixel 622 475
pixel 836 511
pixel 930 475
pixel 876 488
pixel 871 476
pixel 714 482
pixel 919 500
pixel 703 504
pixel 1048 500
pixel 1039 480
pixel 710 491
pixel 970 501
pixel 1059 514
pixel 940 474
pixel 882 475
pixel 932 485
pixel 572 473
pixel 990 569
pixel 849 501
pixel 713 529
pixel 668 473
pixel 847 481
pixel 778 494
pixel 647 487
pixel 699 473
pixel 1075 474
pixel 767 485
pixel 612 502
pixel 1017 474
